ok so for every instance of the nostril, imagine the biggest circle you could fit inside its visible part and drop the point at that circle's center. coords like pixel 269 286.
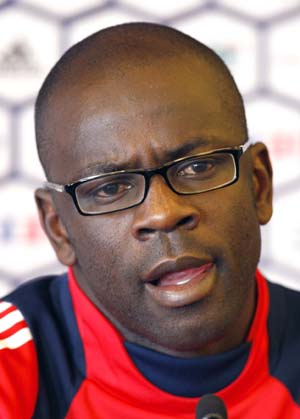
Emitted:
pixel 145 232
pixel 188 221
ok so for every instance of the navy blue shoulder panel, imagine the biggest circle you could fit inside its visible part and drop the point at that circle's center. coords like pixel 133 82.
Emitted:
pixel 284 335
pixel 47 307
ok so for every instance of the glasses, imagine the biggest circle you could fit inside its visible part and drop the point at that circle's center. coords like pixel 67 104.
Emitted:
pixel 123 189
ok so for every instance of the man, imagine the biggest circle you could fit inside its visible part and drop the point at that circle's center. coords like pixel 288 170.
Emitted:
pixel 154 201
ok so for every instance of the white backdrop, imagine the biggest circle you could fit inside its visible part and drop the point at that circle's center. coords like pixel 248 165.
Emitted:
pixel 258 40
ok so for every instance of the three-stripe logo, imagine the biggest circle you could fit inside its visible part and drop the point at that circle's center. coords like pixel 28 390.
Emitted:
pixel 14 331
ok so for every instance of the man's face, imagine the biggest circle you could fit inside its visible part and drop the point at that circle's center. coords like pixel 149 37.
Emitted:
pixel 142 120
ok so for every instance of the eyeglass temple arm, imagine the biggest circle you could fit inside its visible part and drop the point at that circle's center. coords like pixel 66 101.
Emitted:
pixel 247 144
pixel 54 186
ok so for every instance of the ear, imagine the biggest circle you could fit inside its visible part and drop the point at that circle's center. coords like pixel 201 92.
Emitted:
pixel 262 182
pixel 54 228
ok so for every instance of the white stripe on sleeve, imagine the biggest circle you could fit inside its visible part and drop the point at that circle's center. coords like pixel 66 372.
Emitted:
pixel 4 305
pixel 16 340
pixel 10 320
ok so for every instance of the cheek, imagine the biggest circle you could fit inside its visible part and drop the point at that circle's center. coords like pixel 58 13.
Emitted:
pixel 109 263
pixel 102 245
pixel 234 221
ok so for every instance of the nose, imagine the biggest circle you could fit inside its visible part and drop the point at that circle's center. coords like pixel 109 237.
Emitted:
pixel 163 211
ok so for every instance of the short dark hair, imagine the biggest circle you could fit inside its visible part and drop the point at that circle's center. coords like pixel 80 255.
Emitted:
pixel 137 40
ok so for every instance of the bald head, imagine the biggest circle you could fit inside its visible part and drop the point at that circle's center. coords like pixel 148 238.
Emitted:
pixel 110 55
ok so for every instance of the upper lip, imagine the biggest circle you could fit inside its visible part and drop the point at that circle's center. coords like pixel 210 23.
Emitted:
pixel 174 265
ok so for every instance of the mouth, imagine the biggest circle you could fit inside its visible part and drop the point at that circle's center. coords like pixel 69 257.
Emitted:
pixel 180 282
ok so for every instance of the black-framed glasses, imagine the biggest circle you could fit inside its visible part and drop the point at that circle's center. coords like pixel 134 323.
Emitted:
pixel 123 189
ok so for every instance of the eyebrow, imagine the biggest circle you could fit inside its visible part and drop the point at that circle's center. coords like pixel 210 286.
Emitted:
pixel 185 148
pixel 181 151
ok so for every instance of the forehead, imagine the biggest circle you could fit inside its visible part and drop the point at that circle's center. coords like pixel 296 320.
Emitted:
pixel 135 118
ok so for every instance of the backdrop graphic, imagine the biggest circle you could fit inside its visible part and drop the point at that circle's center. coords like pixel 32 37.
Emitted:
pixel 258 40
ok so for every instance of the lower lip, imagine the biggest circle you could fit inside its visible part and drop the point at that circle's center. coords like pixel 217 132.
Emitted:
pixel 194 285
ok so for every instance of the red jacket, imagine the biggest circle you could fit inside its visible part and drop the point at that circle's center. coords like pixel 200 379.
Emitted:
pixel 60 358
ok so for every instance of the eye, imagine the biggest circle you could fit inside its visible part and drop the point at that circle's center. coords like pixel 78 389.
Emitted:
pixel 197 167
pixel 110 192
pixel 113 189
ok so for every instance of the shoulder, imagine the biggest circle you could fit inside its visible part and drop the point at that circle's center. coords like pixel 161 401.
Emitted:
pixel 47 307
pixel 284 313
pixel 43 302
pixel 32 294
pixel 284 319
pixel 18 388
pixel 284 316
pixel 284 337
